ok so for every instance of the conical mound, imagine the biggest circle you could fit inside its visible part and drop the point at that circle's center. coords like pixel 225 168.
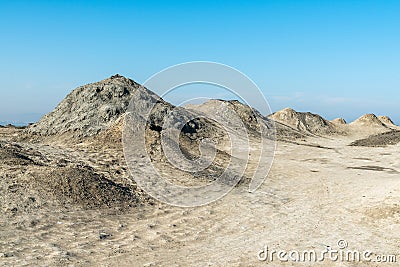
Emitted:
pixel 252 119
pixel 386 120
pixel 305 122
pixel 88 109
pixel 368 120
pixel 339 121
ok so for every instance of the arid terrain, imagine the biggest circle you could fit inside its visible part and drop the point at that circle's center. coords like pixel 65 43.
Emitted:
pixel 67 196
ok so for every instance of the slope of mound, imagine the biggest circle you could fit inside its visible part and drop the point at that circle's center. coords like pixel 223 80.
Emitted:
pixel 339 121
pixel 231 110
pixel 369 120
pixel 95 116
pixel 84 187
pixel 305 122
pixel 46 177
pixel 386 120
pixel 379 140
pixel 94 108
pixel 88 109
pixel 252 119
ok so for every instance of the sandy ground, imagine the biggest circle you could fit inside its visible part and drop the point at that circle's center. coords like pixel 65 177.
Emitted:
pixel 312 198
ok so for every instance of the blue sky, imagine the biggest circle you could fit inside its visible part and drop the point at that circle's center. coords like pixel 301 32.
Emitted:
pixel 334 58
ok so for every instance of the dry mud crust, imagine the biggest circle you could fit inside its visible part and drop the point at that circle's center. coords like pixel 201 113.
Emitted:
pixel 379 140
pixel 85 188
pixel 55 177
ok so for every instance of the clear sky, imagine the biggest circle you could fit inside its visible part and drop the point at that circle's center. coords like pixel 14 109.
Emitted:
pixel 334 58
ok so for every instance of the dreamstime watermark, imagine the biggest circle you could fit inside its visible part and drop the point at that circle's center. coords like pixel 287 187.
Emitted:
pixel 341 253
pixel 148 111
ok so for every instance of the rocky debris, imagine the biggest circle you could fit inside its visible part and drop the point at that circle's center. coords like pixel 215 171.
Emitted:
pixel 368 120
pixel 306 122
pixel 386 120
pixel 103 236
pixel 7 255
pixel 379 140
pixel 339 121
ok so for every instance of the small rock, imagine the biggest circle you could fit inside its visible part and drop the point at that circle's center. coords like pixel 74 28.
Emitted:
pixel 104 236
pixel 6 255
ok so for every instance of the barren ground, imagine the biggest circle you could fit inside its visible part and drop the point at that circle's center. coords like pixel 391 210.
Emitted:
pixel 313 197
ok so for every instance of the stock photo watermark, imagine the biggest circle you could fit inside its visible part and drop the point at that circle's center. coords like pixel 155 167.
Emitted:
pixel 340 253
pixel 149 112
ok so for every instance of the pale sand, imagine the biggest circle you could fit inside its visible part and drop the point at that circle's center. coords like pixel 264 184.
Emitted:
pixel 312 198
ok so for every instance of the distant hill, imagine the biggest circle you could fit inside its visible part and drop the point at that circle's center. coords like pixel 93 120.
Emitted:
pixel 369 120
pixel 18 124
pixel 386 120
pixel 306 122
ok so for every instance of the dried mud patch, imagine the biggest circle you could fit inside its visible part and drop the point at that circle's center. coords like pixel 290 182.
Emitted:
pixel 379 140
pixel 82 186
pixel 383 212
pixel 375 168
